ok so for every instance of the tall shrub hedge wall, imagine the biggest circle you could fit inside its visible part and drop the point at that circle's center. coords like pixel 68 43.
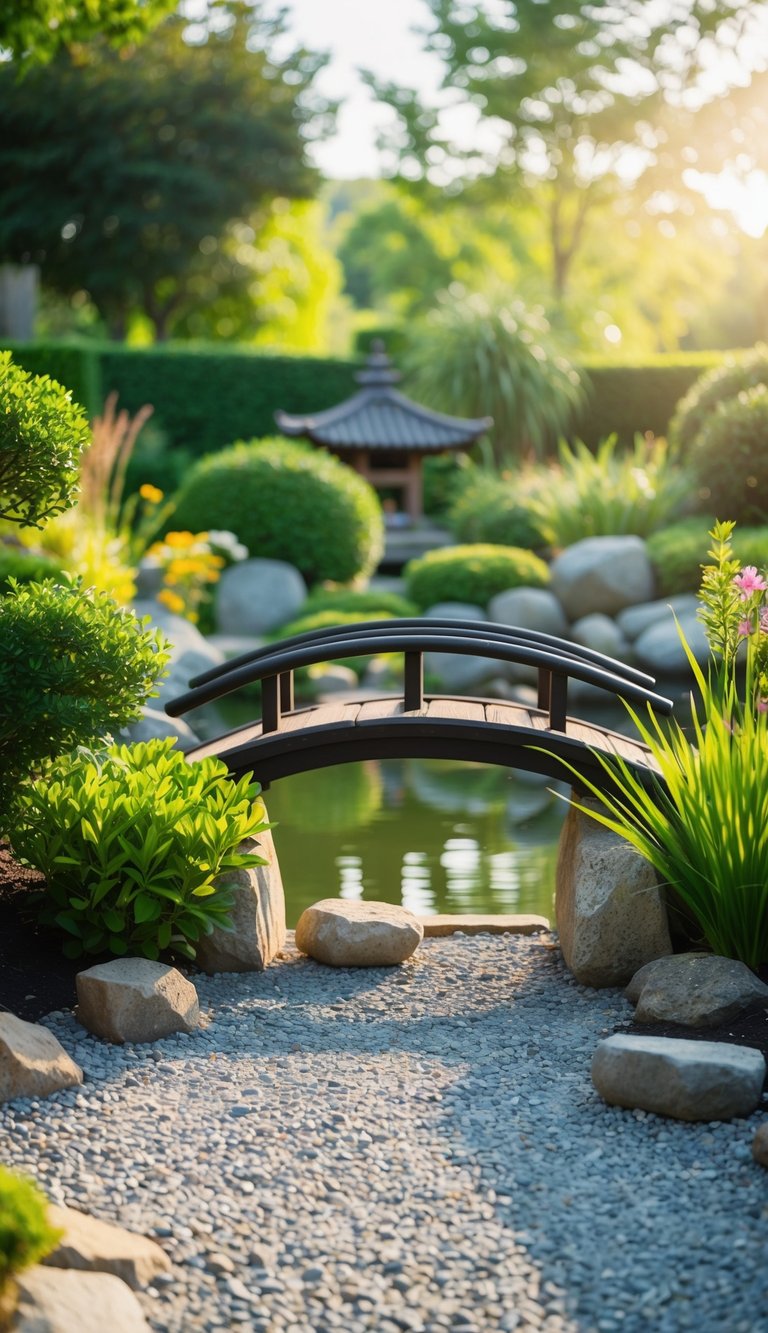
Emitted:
pixel 207 396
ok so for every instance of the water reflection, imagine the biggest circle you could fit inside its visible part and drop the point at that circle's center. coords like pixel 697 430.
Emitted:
pixel 437 836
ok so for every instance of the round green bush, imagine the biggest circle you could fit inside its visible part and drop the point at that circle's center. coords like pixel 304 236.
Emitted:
pixel 714 387
pixel 327 619
pixel 26 567
pixel 679 551
pixel 42 433
pixel 490 509
pixel 729 458
pixel 472 574
pixel 25 1232
pixel 368 605
pixel 286 501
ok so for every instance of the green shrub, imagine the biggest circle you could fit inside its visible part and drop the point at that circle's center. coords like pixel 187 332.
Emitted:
pixel 629 399
pixel 73 362
pixel 472 574
pixel 610 492
pixel 679 552
pixel 327 619
pixel 445 477
pixel 722 382
pixel 25 1232
pixel 493 509
pixel 287 501
pixel 729 457
pixel 73 667
pixel 365 605
pixel 25 567
pixel 131 842
pixel 41 436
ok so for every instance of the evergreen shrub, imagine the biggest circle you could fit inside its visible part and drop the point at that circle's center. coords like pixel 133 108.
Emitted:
pixel 286 501
pixel 493 509
pixel 679 552
pixel 719 384
pixel 26 567
pixel 729 457
pixel 473 574
pixel 25 1232
pixel 366 605
pixel 42 433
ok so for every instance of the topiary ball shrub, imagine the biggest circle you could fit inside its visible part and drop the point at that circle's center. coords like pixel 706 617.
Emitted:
pixel 716 386
pixel 286 501
pixel 490 509
pixel 328 619
pixel 729 457
pixel 472 574
pixel 25 1232
pixel 42 434
pixel 366 605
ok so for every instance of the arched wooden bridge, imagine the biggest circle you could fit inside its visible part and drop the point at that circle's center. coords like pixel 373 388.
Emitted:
pixel 292 740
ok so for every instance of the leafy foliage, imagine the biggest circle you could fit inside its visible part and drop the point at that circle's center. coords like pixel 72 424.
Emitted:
pixel 73 667
pixel 25 1233
pixel 718 385
pixel 706 829
pixel 493 508
pixel 679 552
pixel 131 843
pixel 287 501
pixel 472 574
pixel 729 458
pixel 608 493
pixel 41 435
pixel 25 567
pixel 123 171
pixel 328 619
pixel 364 605
pixel 35 31
pixel 476 357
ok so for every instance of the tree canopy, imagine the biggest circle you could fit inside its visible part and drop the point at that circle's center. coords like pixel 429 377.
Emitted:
pixel 34 31
pixel 122 170
pixel 570 93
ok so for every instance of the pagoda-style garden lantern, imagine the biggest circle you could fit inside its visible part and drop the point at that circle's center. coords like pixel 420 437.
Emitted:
pixel 383 434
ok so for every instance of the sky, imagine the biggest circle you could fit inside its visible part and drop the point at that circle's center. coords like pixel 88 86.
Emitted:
pixel 379 35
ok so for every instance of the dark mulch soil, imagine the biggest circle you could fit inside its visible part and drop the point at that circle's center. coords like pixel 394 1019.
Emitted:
pixel 35 978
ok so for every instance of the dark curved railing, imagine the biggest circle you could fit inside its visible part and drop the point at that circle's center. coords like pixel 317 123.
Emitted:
pixel 555 659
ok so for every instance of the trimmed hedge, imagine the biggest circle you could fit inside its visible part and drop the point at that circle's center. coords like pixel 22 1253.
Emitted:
pixel 286 501
pixel 736 373
pixel 205 396
pixel 472 574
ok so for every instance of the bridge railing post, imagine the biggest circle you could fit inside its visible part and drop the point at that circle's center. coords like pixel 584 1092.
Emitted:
pixel 558 701
pixel 413 682
pixel 286 692
pixel 271 712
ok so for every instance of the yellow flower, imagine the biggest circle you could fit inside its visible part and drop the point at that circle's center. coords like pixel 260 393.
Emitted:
pixel 150 493
pixel 179 538
pixel 171 600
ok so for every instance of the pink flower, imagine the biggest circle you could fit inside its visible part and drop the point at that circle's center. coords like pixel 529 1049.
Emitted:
pixel 749 581
pixel 745 628
pixel 764 620
pixel 762 705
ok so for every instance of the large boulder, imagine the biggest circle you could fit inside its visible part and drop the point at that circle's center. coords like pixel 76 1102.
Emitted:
pixel 695 989
pixel 458 672
pixel 191 653
pixel 610 911
pixel 135 999
pixel 257 596
pixel 660 649
pixel 101 1247
pixel 634 620
pixel 455 611
pixel 258 915
pixel 529 608
pixel 688 1080
pixel 601 633
pixel 154 725
pixel 344 933
pixel 52 1300
pixel 602 574
pixel 32 1061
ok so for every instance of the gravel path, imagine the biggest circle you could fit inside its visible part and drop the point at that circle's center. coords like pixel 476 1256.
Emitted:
pixel 402 1150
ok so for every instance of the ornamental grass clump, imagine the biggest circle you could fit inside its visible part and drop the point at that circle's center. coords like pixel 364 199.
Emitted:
pixel 131 842
pixel 704 824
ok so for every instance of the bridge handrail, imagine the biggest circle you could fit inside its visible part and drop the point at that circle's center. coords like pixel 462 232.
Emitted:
pixel 275 667
pixel 482 628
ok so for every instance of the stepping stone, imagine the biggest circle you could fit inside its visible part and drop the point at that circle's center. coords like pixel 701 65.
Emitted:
pixel 52 1300
pixel 472 924
pixel 358 934
pixel 32 1062
pixel 134 999
pixel 697 990
pixel 687 1080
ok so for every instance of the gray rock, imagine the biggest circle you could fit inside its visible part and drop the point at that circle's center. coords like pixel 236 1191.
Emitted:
pixel 257 596
pixel 135 999
pixel 344 933
pixel 601 633
pixel 610 912
pixel 634 620
pixel 234 645
pixel 602 574
pixel 101 1247
pixel 52 1300
pixel 32 1062
pixel 332 678
pixel 460 672
pixel 687 1080
pixel 191 653
pixel 529 608
pixel 655 971
pixel 258 916
pixel 660 649
pixel 455 611
pixel 154 725
pixel 697 990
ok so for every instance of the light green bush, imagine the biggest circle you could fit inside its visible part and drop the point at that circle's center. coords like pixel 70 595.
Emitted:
pixel 286 501
pixel 494 509
pixel 25 1232
pixel 131 842
pixel 472 574
pixel 721 383
pixel 729 457
pixel 365 605
pixel 42 433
